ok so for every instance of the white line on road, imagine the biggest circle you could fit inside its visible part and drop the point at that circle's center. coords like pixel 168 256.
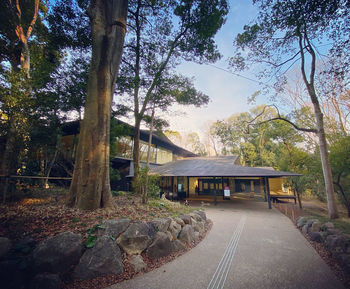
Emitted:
pixel 219 278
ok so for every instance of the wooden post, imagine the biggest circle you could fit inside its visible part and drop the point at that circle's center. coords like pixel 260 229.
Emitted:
pixel 215 191
pixel 172 184
pixel 264 183
pixel 188 187
pixel 268 192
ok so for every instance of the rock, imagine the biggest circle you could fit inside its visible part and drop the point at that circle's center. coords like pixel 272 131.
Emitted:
pixel 336 243
pixel 5 247
pixel 315 227
pixel 327 226
pixel 104 258
pixel 114 227
pixel 179 221
pixel 178 246
pixel 137 263
pixel 306 228
pixel 196 236
pixel 49 281
pixel 161 224
pixel 317 236
pixel 334 231
pixel 136 238
pixel 186 219
pixel 58 253
pixel 10 275
pixel 202 214
pixel 25 246
pixel 199 227
pixel 160 247
pixel 197 217
pixel 344 260
pixel 174 230
pixel 301 221
pixel 187 234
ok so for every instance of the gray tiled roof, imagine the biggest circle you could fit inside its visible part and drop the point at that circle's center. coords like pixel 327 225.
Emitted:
pixel 215 167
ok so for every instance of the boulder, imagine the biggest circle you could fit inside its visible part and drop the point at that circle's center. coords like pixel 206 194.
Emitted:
pixel 344 260
pixel 333 231
pixel 197 217
pixel 160 247
pixel 317 236
pixel 336 243
pixel 174 230
pixel 114 227
pixel 46 281
pixel 306 228
pixel 104 258
pixel 178 246
pixel 199 227
pixel 137 263
pixel 179 221
pixel 327 226
pixel 186 219
pixel 10 275
pixel 5 247
pixel 161 224
pixel 202 214
pixel 187 234
pixel 315 227
pixel 301 221
pixel 58 253
pixel 25 246
pixel 136 238
pixel 196 236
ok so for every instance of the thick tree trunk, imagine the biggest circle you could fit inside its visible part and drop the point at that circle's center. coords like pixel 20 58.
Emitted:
pixel 90 187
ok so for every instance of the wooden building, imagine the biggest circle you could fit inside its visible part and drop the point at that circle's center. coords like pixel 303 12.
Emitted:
pixel 219 178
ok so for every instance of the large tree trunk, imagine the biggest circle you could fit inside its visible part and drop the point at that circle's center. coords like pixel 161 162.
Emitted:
pixel 90 187
pixel 326 167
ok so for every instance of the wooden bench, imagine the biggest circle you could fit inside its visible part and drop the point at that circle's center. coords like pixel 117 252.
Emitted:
pixel 275 198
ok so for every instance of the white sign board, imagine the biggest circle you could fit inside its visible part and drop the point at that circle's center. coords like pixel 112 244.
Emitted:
pixel 227 193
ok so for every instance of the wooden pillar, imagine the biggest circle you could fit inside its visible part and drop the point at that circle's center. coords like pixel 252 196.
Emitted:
pixel 188 187
pixel 222 185
pixel 172 184
pixel 268 192
pixel 264 184
pixel 215 191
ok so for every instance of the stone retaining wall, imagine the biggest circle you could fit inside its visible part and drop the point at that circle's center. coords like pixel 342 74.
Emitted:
pixel 334 240
pixel 42 265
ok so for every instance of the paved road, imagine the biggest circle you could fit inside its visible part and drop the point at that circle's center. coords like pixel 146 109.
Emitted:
pixel 248 247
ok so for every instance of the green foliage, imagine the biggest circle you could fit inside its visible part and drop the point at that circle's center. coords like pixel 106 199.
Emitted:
pixel 90 241
pixel 92 238
pixel 146 184
pixel 340 163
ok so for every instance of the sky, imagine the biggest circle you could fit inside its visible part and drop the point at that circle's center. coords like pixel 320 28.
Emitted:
pixel 228 93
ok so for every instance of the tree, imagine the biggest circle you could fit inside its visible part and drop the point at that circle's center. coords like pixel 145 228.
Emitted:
pixel 193 143
pixel 161 34
pixel 90 187
pixel 340 160
pixel 20 21
pixel 285 33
